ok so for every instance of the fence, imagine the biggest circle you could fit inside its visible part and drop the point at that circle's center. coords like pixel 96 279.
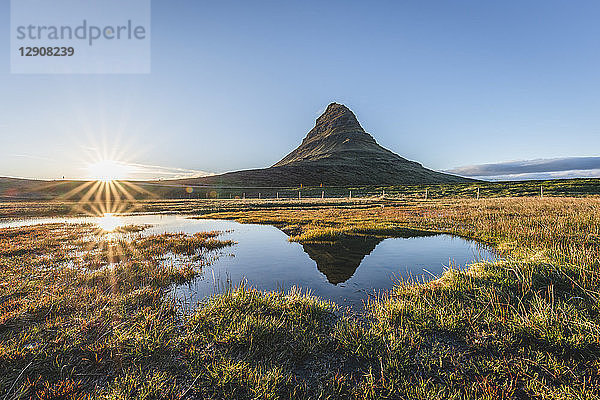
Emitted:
pixel 165 190
pixel 477 190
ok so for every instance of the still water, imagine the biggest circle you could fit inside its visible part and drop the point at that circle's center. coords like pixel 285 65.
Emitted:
pixel 347 272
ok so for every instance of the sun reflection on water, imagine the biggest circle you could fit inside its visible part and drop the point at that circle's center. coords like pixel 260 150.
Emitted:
pixel 109 222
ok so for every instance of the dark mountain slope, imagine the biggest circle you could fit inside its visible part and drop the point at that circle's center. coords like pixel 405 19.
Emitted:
pixel 337 151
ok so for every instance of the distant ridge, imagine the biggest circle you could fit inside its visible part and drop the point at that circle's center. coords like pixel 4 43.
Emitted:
pixel 336 152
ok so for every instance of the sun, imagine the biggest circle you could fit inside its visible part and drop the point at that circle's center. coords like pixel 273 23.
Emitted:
pixel 108 171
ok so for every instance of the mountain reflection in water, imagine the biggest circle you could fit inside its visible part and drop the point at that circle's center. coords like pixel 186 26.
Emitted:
pixel 343 271
pixel 339 259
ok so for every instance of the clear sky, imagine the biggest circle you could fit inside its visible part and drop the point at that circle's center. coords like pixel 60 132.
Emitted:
pixel 237 85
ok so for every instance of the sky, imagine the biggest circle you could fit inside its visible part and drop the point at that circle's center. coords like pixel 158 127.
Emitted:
pixel 457 86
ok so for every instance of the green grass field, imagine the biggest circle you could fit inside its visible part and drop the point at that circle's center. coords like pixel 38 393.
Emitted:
pixel 527 326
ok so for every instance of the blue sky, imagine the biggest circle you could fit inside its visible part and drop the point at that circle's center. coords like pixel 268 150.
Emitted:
pixel 237 85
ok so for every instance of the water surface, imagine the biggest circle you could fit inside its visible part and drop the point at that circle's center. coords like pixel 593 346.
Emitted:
pixel 346 272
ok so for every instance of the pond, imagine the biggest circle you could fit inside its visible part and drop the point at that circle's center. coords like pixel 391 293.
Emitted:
pixel 346 272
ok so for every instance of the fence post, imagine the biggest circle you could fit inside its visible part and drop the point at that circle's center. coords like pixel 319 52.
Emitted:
pixel 477 193
pixel 426 193
pixel 351 194
pixel 541 191
pixel 259 195
pixel 244 196
pixel 299 195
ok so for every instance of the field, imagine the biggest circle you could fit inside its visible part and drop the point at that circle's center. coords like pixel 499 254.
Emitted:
pixel 31 190
pixel 527 326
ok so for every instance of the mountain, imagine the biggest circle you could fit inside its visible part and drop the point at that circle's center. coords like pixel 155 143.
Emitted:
pixel 336 152
pixel 339 260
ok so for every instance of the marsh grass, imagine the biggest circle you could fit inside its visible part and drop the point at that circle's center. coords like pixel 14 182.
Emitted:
pixel 68 332
pixel 525 326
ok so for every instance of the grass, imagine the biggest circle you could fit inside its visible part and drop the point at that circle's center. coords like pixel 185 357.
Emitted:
pixel 69 328
pixel 146 193
pixel 14 203
pixel 527 326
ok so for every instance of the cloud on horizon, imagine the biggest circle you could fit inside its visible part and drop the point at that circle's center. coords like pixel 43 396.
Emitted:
pixel 553 168
pixel 152 172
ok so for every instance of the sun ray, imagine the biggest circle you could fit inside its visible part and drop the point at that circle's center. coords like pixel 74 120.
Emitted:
pixel 85 199
pixel 120 204
pixel 99 198
pixel 119 186
pixel 131 201
pixel 139 189
pixel 107 195
pixel 76 190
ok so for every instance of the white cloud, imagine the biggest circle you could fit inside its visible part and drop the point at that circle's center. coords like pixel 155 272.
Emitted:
pixel 149 172
pixel 555 168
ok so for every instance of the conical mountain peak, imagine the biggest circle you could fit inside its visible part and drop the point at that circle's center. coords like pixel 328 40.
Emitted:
pixel 337 133
pixel 337 119
pixel 336 151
